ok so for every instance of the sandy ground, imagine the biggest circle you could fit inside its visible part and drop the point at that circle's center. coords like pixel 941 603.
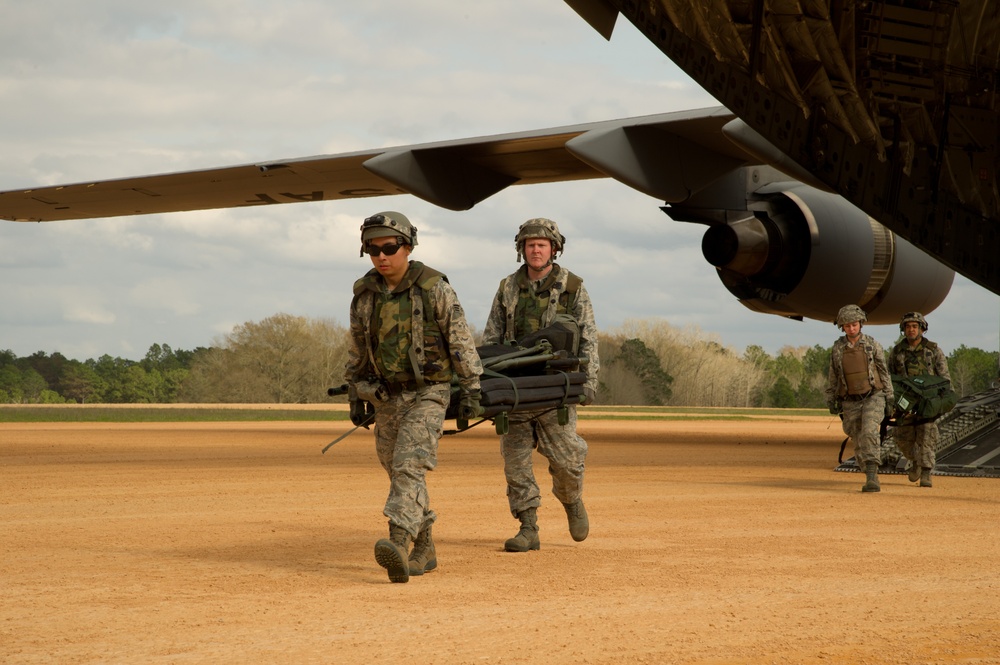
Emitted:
pixel 711 543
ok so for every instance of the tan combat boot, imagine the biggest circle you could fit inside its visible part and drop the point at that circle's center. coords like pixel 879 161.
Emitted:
pixel 423 558
pixel 925 477
pixel 527 538
pixel 871 484
pixel 579 524
pixel 914 474
pixel 390 553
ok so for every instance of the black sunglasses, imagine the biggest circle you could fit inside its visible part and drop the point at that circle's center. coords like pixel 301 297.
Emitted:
pixel 388 250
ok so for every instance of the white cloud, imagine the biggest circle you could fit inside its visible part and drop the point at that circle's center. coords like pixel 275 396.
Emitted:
pixel 78 313
pixel 110 88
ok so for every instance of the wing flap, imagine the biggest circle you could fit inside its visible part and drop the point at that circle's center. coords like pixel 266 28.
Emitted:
pixel 452 174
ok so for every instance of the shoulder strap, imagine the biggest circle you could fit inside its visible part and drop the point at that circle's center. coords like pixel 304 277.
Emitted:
pixel 573 284
pixel 367 283
pixel 429 276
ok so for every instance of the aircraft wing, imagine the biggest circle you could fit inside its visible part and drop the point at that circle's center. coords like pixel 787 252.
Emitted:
pixel 452 174
pixel 892 103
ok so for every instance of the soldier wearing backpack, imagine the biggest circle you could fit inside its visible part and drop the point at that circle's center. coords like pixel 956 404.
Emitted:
pixel 916 355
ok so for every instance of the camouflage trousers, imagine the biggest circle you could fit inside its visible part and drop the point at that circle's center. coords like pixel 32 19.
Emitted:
pixel 565 450
pixel 918 443
pixel 407 429
pixel 861 422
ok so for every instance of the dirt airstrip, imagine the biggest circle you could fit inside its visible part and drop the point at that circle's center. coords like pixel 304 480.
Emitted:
pixel 712 542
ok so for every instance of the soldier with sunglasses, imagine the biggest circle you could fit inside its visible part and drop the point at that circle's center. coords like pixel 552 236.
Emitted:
pixel 409 336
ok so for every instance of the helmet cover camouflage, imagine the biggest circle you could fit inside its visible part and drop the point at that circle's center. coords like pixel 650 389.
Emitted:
pixel 539 227
pixel 387 224
pixel 850 314
pixel 917 317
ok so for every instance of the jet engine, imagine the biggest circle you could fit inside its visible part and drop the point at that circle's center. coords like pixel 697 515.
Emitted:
pixel 797 252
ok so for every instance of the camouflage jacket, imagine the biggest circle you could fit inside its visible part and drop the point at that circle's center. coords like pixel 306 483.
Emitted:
pixel 376 330
pixel 837 386
pixel 926 358
pixel 510 318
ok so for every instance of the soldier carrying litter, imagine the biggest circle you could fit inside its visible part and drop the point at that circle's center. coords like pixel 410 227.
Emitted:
pixel 534 297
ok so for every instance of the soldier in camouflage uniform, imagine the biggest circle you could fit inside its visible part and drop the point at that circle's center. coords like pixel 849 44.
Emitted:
pixel 860 390
pixel 537 295
pixel 914 355
pixel 409 337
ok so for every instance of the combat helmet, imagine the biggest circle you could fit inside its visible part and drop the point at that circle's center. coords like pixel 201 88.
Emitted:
pixel 849 314
pixel 913 316
pixel 385 225
pixel 539 227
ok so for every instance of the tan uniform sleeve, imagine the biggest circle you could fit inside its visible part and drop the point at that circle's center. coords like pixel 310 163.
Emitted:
pixel 878 356
pixel 357 354
pixel 584 315
pixel 941 364
pixel 461 345
pixel 496 322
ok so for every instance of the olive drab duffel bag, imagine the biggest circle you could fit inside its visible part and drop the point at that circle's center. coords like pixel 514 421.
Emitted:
pixel 924 397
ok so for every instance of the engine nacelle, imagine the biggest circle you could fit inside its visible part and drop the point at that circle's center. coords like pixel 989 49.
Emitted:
pixel 796 251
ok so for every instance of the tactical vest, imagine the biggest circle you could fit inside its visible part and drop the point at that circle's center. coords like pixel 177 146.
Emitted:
pixel 917 361
pixel 528 311
pixel 393 350
pixel 856 373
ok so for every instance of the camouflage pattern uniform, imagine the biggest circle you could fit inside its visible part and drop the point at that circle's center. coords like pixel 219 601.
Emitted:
pixel 918 440
pixel 409 424
pixel 521 307
pixel 862 414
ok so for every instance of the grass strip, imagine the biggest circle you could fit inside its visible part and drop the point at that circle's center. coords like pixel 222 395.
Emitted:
pixel 161 415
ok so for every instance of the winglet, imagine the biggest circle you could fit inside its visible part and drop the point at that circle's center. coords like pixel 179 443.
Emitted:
pixel 600 14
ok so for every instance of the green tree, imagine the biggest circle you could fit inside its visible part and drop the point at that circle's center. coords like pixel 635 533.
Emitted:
pixel 817 361
pixel 32 385
pixel 82 384
pixel 645 365
pixel 50 397
pixel 114 374
pixel 758 357
pixel 781 395
pixel 11 390
pixel 972 370
pixel 809 395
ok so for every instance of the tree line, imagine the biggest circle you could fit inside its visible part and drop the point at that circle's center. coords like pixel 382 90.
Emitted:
pixel 287 359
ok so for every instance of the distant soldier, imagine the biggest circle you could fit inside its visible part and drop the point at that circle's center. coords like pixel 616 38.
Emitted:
pixel 860 389
pixel 408 337
pixel 534 297
pixel 912 356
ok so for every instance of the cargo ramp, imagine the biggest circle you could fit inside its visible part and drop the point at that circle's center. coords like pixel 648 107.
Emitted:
pixel 968 441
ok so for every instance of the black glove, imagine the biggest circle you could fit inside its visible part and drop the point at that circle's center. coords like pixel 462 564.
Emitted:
pixel 468 405
pixel 835 406
pixel 361 413
pixel 890 408
pixel 589 396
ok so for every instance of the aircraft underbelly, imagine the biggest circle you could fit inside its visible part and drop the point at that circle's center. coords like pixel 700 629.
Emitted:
pixel 892 104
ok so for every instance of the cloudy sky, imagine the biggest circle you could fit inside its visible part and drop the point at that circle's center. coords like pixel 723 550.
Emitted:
pixel 112 88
